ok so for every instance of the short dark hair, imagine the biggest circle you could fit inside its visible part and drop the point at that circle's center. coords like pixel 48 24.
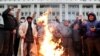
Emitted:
pixel 22 17
pixel 29 17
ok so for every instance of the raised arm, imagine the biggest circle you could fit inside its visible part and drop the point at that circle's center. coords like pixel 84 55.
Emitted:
pixel 17 14
pixel 33 15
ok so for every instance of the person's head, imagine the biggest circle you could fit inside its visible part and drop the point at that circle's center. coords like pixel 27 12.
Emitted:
pixel 77 17
pixel 29 19
pixel 57 19
pixel 11 12
pixel 66 22
pixel 91 17
pixel 22 19
pixel 40 23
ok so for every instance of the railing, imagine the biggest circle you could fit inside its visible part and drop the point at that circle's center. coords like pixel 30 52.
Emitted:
pixel 49 1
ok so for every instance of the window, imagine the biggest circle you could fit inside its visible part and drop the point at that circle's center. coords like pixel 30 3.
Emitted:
pixel 87 6
pixel 57 13
pixel 15 6
pixel 22 13
pixel 29 13
pixel 43 5
pixel 63 12
pixel 26 6
pixel 77 13
pixel 74 6
pixel 53 13
pixel 54 5
pixel 63 6
pixel 25 13
pixel 1 6
pixel 73 12
pixel 69 12
pixel 35 6
pixel 84 13
pixel 98 6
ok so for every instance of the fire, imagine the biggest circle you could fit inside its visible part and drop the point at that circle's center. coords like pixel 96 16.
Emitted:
pixel 48 47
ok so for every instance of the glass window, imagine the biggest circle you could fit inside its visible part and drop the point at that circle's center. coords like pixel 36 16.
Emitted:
pixel 98 6
pixel 44 5
pixel 1 6
pixel 15 6
pixel 74 6
pixel 57 13
pixel 73 12
pixel 63 12
pixel 29 13
pixel 84 13
pixel 22 13
pixel 26 6
pixel 25 13
pixel 63 6
pixel 69 12
pixel 77 13
pixel 53 13
pixel 87 6
pixel 35 6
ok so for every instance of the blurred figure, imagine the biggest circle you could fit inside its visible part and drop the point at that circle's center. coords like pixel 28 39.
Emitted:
pixel 77 37
pixel 27 31
pixel 10 24
pixel 40 30
pixel 22 20
pixel 57 19
pixel 16 35
pixel 66 33
pixel 92 34
pixel 1 34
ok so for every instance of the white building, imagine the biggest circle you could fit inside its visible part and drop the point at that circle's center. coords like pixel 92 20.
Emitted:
pixel 65 9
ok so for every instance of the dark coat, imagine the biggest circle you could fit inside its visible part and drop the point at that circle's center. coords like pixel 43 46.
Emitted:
pixel 10 21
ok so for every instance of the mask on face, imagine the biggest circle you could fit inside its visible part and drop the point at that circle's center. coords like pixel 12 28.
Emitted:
pixel 22 21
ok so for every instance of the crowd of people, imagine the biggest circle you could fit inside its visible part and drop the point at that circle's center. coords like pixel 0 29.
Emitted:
pixel 79 38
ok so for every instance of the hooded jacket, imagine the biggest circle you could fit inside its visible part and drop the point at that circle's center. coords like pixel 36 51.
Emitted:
pixel 93 23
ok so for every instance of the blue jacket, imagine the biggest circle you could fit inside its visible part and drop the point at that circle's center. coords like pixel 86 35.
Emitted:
pixel 89 33
pixel 92 23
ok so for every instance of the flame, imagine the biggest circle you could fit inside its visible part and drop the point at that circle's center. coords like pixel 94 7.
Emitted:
pixel 48 47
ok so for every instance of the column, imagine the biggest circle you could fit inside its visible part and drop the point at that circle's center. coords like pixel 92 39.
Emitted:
pixel 80 9
pixel 32 9
pixel 5 6
pixel 38 11
pixel 60 10
pixel 94 8
pixel 66 11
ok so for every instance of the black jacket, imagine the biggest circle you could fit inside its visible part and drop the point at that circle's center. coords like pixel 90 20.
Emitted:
pixel 10 21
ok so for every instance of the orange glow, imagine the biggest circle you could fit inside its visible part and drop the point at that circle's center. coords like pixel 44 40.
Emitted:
pixel 48 47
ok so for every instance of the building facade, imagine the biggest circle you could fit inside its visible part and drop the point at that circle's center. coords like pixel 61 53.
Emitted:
pixel 65 9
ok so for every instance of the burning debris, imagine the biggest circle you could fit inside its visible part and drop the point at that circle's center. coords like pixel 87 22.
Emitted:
pixel 51 44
